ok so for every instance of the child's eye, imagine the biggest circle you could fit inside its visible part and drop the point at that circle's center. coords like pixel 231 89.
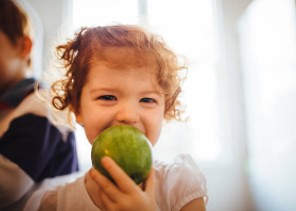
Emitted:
pixel 148 100
pixel 107 97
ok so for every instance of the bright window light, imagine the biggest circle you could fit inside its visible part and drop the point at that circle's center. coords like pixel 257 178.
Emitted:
pixel 102 12
pixel 269 55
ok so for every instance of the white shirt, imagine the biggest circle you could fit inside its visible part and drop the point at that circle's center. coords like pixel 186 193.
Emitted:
pixel 177 184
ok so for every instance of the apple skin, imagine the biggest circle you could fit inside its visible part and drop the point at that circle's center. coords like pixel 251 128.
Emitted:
pixel 128 147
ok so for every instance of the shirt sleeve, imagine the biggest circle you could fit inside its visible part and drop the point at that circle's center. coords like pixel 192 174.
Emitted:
pixel 72 196
pixel 37 147
pixel 14 182
pixel 182 182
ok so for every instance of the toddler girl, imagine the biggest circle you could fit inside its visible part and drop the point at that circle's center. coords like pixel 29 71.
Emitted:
pixel 116 75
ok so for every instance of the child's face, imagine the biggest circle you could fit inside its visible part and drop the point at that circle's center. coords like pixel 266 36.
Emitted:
pixel 115 97
pixel 10 62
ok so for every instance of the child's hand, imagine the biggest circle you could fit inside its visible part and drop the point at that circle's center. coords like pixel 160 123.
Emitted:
pixel 126 195
pixel 92 189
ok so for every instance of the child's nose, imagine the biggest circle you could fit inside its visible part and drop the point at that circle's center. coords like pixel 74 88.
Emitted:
pixel 128 113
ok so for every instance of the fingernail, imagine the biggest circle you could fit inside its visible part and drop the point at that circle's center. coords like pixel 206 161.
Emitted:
pixel 104 160
pixel 91 172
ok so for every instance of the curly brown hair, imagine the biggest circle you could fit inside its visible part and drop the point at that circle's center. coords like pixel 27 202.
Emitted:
pixel 116 46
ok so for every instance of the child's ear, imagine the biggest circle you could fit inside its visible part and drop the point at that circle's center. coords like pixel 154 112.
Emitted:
pixel 25 46
pixel 79 118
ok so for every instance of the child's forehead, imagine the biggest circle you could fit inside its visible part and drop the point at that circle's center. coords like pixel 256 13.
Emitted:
pixel 105 73
pixel 121 68
pixel 124 59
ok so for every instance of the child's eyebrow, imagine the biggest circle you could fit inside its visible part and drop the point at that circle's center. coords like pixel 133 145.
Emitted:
pixel 151 92
pixel 102 89
pixel 154 92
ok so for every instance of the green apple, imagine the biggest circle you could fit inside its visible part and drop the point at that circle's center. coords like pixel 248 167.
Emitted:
pixel 128 147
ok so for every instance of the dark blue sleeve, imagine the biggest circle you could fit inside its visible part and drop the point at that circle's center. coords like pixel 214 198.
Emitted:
pixel 36 145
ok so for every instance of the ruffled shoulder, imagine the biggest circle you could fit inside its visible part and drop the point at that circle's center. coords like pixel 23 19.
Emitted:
pixel 179 182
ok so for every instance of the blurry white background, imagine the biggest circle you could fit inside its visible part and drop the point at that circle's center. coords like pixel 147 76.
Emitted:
pixel 240 93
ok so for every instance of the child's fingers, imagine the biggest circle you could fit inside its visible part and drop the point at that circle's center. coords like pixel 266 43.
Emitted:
pixel 106 185
pixel 124 182
pixel 104 200
pixel 149 184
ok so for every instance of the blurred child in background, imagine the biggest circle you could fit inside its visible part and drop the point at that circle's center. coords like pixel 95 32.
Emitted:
pixel 32 148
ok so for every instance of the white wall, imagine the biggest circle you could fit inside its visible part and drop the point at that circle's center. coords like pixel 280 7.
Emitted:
pixel 268 38
pixel 228 181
